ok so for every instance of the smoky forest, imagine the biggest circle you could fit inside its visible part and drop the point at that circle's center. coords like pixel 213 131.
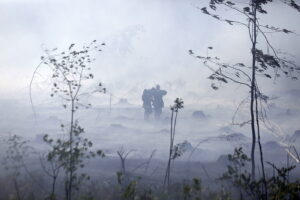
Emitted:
pixel 149 100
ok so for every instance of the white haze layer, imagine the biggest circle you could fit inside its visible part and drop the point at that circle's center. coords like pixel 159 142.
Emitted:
pixel 147 43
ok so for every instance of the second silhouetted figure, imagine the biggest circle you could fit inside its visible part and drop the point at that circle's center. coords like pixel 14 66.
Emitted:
pixel 153 99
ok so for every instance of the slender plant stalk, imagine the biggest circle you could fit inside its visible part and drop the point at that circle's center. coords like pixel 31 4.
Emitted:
pixel 52 197
pixel 260 148
pixel 71 150
pixel 17 189
pixel 178 105
pixel 167 176
pixel 254 8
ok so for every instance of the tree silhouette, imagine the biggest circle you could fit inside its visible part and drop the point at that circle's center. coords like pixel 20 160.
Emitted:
pixel 262 64
pixel 70 69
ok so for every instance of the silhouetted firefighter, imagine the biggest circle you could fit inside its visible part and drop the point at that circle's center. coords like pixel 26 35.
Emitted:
pixel 153 100
pixel 147 102
pixel 158 102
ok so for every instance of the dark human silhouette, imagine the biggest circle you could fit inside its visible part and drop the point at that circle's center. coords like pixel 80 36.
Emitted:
pixel 158 102
pixel 153 100
pixel 147 102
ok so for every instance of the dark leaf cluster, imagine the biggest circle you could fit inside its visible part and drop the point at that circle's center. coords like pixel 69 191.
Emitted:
pixel 179 149
pixel 178 104
pixel 69 70
pixel 63 154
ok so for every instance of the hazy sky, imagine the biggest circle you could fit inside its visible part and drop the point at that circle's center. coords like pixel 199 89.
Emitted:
pixel 147 44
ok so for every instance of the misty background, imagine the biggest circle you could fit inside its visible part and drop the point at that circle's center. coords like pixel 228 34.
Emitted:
pixel 147 43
